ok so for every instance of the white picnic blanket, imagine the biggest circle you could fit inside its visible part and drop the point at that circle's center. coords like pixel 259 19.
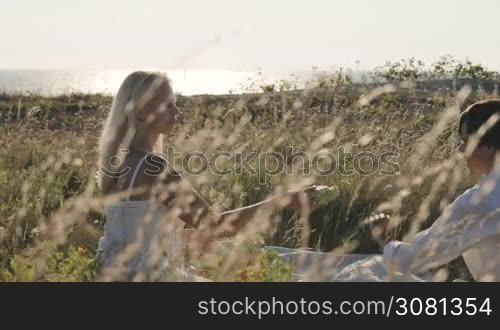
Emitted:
pixel 331 267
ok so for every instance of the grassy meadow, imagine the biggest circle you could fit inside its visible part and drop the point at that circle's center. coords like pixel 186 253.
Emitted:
pixel 51 211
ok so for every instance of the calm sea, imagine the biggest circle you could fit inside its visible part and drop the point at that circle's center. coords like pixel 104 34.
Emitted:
pixel 187 82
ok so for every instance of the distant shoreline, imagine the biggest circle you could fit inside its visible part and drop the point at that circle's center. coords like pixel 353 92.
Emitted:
pixel 489 86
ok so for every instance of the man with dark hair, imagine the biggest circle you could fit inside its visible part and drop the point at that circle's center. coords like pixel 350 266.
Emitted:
pixel 476 116
pixel 470 226
pixel 484 114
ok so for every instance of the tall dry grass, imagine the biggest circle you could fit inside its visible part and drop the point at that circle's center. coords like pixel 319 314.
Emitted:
pixel 51 212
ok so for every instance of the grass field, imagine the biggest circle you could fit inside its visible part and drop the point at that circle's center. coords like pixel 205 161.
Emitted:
pixel 51 217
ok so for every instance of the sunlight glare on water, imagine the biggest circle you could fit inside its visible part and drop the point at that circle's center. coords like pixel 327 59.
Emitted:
pixel 186 82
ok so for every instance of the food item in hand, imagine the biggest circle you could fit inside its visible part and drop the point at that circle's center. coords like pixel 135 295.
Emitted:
pixel 323 195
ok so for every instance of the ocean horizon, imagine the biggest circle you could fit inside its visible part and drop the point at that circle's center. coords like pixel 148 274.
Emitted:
pixel 186 82
pixel 54 82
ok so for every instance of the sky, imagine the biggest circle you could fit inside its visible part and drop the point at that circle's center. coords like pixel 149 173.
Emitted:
pixel 243 35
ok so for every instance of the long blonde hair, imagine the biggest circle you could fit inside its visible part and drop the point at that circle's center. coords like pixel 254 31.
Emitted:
pixel 121 125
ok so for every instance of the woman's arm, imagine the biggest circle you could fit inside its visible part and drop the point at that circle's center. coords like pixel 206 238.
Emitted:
pixel 206 229
pixel 194 209
pixel 196 213
pixel 230 222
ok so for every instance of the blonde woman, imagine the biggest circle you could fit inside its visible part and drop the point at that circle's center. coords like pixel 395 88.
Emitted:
pixel 142 112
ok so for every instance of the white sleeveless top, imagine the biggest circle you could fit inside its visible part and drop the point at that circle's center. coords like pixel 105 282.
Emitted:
pixel 125 220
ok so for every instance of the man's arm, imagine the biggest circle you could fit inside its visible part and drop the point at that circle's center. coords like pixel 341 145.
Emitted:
pixel 437 245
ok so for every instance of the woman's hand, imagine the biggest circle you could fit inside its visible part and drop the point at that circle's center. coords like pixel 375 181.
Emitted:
pixel 315 195
pixel 230 222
